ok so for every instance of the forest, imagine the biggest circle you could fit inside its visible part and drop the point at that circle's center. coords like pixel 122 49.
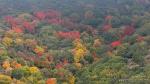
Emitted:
pixel 74 41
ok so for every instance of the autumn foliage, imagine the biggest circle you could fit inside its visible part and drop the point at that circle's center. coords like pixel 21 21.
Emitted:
pixel 108 17
pixel 40 15
pixel 129 30
pixel 51 81
pixel 39 50
pixel 79 51
pixel 106 27
pixel 115 43
pixel 74 41
pixel 69 35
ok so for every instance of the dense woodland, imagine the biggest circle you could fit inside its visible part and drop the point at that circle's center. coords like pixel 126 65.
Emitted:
pixel 74 41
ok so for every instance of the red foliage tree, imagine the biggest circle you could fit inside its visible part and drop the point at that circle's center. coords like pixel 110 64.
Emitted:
pixel 40 15
pixel 17 29
pixel 106 27
pixel 69 35
pixel 65 62
pixel 115 43
pixel 28 26
pixel 52 14
pixel 129 30
pixel 50 59
pixel 54 21
pixel 53 17
pixel 140 38
pixel 67 22
pixel 108 17
pixel 59 66
pixel 10 20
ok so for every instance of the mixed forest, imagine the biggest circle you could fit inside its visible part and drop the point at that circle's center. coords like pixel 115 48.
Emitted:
pixel 74 41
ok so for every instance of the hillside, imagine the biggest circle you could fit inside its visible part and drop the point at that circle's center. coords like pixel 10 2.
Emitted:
pixel 74 42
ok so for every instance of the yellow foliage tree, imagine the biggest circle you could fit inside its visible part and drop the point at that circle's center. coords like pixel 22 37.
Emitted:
pixel 18 82
pixel 33 69
pixel 7 41
pixel 71 79
pixel 4 79
pixel 9 33
pixel 12 34
pixel 79 51
pixel 19 41
pixel 78 65
pixel 30 43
